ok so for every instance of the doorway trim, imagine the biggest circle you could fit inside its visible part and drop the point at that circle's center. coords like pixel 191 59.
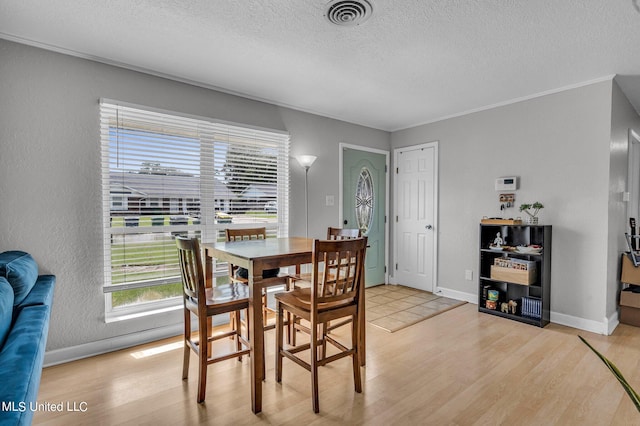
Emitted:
pixel 341 147
pixel 633 177
pixel 435 288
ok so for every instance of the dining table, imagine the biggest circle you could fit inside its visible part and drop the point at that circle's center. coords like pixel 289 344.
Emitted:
pixel 257 256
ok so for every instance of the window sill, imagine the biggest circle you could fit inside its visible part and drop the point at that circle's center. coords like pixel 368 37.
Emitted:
pixel 124 316
pixel 130 315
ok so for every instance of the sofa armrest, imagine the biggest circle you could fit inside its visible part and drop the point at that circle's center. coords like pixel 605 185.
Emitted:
pixel 21 360
pixel 41 293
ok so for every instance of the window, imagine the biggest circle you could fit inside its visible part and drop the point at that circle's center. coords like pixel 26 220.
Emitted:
pixel 118 203
pixel 364 201
pixel 153 204
pixel 165 175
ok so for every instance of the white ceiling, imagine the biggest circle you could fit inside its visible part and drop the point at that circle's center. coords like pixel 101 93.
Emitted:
pixel 412 62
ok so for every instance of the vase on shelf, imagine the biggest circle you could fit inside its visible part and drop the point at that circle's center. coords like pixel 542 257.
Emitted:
pixel 532 220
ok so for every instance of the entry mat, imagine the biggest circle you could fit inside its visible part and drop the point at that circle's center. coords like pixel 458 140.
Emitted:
pixel 394 307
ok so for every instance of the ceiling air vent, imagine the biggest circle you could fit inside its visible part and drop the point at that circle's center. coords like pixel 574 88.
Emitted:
pixel 348 13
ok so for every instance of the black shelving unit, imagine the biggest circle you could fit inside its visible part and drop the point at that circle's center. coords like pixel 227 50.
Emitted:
pixel 537 294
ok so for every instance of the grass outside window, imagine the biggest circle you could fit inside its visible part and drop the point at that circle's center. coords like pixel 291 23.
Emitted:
pixel 150 256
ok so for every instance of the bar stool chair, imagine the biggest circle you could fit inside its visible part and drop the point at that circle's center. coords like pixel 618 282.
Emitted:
pixel 337 276
pixel 204 303
pixel 303 281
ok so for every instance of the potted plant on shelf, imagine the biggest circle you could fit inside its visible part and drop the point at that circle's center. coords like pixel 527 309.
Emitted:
pixel 533 217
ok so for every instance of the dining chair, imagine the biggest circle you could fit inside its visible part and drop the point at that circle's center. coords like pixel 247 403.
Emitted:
pixel 301 281
pixel 339 234
pixel 240 275
pixel 337 277
pixel 342 233
pixel 205 302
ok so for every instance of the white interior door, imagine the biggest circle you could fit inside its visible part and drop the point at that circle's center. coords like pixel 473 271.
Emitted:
pixel 416 226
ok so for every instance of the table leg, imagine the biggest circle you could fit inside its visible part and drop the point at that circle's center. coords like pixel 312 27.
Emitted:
pixel 256 340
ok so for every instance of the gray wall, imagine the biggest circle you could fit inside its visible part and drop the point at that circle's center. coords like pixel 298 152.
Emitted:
pixel 568 148
pixel 51 182
pixel 311 134
pixel 559 146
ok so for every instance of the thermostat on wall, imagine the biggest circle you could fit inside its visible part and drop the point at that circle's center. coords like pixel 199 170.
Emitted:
pixel 508 183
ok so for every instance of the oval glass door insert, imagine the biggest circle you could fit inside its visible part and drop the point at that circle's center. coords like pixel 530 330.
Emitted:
pixel 364 200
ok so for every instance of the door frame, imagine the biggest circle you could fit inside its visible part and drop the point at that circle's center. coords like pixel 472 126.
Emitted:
pixel 633 177
pixel 434 282
pixel 341 148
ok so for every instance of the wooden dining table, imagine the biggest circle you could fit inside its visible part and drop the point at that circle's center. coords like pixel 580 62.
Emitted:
pixel 256 256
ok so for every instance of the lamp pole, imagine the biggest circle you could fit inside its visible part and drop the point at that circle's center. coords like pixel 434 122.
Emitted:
pixel 306 161
pixel 306 201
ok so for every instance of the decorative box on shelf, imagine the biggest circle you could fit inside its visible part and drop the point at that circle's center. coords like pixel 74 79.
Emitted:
pixel 515 271
pixel 499 221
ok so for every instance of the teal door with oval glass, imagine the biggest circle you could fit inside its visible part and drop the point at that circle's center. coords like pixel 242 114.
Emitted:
pixel 364 205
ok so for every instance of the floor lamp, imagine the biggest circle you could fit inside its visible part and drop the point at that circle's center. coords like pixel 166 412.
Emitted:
pixel 306 161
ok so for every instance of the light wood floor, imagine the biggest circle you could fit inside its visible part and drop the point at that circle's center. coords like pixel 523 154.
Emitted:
pixel 458 368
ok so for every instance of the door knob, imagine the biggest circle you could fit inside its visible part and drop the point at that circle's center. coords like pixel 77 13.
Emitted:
pixel 345 221
pixel 428 227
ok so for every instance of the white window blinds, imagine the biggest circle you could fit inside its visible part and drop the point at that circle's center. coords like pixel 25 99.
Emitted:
pixel 165 174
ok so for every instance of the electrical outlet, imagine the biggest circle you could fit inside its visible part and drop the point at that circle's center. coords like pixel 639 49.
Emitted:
pixel 468 275
pixel 329 200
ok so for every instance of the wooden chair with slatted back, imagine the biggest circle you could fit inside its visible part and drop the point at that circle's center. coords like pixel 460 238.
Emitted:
pixel 241 235
pixel 204 303
pixel 343 260
pixel 339 234
pixel 342 233
pixel 302 281
pixel 239 275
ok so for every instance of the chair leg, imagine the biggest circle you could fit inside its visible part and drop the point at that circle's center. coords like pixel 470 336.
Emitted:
pixel 314 367
pixel 323 333
pixel 279 341
pixel 357 380
pixel 236 316
pixel 264 361
pixel 294 332
pixel 265 311
pixel 233 324
pixel 203 355
pixel 187 348
pixel 291 329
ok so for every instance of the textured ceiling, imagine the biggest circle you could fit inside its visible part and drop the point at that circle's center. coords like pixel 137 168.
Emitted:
pixel 412 62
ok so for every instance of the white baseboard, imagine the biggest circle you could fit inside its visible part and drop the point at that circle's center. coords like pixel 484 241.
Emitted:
pixel 605 327
pixel 99 347
pixel 612 322
pixel 85 350
pixel 458 295
pixel 452 294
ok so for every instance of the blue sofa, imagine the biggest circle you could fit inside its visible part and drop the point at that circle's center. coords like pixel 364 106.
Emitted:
pixel 25 307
